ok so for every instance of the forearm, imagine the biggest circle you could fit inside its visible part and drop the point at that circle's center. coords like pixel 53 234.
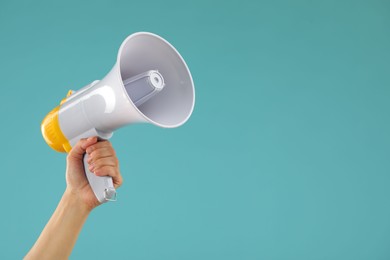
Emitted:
pixel 60 233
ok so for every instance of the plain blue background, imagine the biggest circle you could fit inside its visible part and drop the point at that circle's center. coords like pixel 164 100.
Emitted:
pixel 286 155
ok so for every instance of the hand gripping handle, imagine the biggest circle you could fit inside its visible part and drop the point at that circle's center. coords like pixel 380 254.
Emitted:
pixel 102 186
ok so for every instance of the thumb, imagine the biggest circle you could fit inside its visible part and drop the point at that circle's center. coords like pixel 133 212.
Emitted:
pixel 78 151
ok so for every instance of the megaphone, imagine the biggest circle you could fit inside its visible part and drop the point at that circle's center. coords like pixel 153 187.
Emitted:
pixel 149 83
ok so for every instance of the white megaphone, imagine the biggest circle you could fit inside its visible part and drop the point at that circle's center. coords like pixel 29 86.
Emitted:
pixel 150 82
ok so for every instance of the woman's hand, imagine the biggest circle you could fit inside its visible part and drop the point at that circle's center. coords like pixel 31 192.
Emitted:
pixel 102 161
pixel 60 233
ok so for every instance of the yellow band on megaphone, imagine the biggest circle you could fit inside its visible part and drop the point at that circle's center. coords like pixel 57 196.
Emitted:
pixel 52 133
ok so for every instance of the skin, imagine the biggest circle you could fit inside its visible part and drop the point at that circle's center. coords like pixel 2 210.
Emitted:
pixel 60 233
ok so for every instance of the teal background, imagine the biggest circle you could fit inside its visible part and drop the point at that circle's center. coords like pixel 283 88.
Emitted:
pixel 286 155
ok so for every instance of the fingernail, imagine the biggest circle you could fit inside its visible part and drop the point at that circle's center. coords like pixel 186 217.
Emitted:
pixel 90 139
pixel 91 167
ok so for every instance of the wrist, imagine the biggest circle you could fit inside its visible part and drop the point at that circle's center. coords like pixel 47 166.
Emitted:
pixel 71 199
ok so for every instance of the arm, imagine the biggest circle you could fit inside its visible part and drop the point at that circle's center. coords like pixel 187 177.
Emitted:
pixel 60 233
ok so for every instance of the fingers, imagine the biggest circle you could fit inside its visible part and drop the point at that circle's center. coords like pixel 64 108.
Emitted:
pixel 95 165
pixel 100 153
pixel 102 161
pixel 80 148
pixel 112 172
pixel 99 146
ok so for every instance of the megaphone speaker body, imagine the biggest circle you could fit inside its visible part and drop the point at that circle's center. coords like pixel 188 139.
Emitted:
pixel 146 61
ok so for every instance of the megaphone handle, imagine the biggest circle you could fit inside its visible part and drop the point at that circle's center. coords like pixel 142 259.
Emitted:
pixel 102 186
